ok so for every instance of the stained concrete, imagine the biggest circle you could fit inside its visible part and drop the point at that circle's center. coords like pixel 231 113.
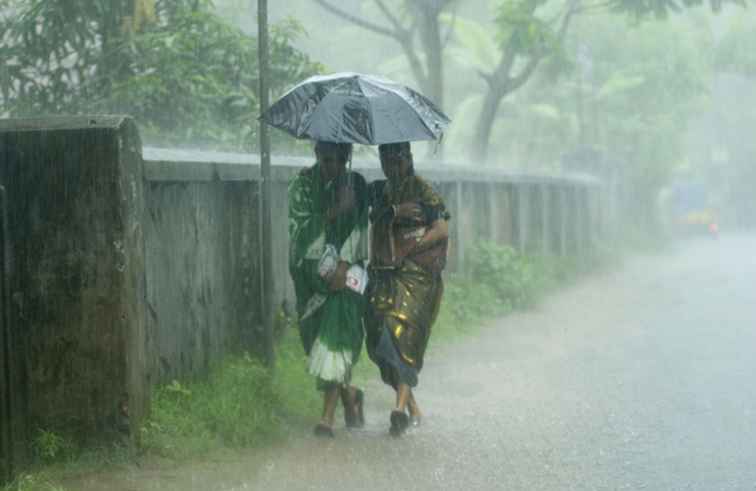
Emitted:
pixel 75 209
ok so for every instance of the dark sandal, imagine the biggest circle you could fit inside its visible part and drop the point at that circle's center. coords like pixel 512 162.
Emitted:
pixel 399 423
pixel 323 431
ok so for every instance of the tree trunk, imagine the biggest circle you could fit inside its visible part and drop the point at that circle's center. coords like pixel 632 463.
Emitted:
pixel 430 36
pixel 430 32
pixel 485 123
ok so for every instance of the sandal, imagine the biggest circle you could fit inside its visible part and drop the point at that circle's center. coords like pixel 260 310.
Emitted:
pixel 323 431
pixel 399 423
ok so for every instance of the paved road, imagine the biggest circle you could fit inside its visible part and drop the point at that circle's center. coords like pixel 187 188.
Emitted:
pixel 644 378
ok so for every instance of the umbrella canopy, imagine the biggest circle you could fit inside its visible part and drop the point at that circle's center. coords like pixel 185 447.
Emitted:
pixel 356 108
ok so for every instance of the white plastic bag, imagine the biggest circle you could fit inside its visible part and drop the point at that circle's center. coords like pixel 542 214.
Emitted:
pixel 357 278
pixel 329 261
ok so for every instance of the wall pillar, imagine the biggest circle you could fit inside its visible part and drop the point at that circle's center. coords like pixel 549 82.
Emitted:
pixel 545 219
pixel 494 209
pixel 523 216
pixel 459 226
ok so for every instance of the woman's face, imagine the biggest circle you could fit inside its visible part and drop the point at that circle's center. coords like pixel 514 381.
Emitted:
pixel 332 165
pixel 395 166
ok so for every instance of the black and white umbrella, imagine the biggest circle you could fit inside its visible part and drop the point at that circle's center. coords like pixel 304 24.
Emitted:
pixel 356 108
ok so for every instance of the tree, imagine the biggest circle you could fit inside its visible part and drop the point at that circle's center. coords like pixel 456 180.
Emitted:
pixel 729 123
pixel 661 9
pixel 529 32
pixel 413 20
pixel 526 41
pixel 186 75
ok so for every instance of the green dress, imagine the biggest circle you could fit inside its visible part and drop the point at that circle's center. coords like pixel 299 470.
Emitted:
pixel 330 323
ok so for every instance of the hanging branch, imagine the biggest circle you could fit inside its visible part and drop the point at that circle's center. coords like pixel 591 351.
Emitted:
pixel 401 34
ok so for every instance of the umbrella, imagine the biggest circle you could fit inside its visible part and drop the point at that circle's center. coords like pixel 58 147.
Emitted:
pixel 356 108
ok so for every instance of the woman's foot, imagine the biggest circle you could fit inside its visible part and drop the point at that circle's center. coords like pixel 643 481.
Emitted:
pixel 353 402
pixel 399 423
pixel 322 430
pixel 415 416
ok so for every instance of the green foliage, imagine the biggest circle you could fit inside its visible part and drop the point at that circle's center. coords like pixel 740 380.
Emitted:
pixel 240 404
pixel 31 482
pixel 511 276
pixel 661 9
pixel 234 407
pixel 735 53
pixel 185 74
pixel 522 30
pixel 50 446
pixel 500 280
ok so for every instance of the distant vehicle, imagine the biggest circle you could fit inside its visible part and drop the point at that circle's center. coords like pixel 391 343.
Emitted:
pixel 692 213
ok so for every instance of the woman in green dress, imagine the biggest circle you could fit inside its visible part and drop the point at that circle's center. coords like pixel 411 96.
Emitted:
pixel 409 243
pixel 328 218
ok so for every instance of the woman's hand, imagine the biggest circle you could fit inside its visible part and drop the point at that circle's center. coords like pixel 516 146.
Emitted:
pixel 337 281
pixel 438 231
pixel 409 210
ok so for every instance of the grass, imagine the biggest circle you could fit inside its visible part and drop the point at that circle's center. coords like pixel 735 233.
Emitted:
pixel 241 404
pixel 38 481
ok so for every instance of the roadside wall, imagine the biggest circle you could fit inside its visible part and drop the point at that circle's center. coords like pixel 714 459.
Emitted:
pixel 203 256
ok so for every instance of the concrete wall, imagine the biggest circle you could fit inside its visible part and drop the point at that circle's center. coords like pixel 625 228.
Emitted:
pixel 203 297
pixel 537 214
pixel 7 358
pixel 76 275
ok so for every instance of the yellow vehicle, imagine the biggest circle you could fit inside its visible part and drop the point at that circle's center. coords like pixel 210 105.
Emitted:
pixel 692 211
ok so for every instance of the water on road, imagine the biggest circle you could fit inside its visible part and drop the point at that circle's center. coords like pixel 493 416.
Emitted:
pixel 642 378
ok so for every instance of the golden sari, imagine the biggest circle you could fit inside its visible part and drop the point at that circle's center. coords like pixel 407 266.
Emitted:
pixel 406 283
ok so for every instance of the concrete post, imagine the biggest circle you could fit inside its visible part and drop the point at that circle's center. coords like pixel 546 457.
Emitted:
pixel 507 215
pixel 6 349
pixel 493 212
pixel 581 221
pixel 563 219
pixel 545 219
pixel 460 239
pixel 76 206
pixel 588 222
pixel 523 216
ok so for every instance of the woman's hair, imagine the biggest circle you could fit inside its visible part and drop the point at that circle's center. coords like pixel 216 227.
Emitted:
pixel 395 150
pixel 342 150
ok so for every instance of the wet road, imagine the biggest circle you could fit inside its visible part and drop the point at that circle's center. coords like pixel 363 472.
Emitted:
pixel 639 379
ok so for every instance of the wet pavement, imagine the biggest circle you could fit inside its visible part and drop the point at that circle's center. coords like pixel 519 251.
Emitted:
pixel 638 379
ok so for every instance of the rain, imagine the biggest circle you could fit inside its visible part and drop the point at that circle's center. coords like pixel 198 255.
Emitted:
pixel 377 244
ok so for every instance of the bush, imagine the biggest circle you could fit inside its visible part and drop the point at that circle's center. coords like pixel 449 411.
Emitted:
pixel 501 280
pixel 50 446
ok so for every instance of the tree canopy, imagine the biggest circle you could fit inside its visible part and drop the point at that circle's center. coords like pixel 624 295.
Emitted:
pixel 184 73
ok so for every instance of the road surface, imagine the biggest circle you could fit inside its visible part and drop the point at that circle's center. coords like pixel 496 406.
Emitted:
pixel 643 378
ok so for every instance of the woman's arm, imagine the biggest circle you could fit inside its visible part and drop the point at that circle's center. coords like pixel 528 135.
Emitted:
pixel 438 231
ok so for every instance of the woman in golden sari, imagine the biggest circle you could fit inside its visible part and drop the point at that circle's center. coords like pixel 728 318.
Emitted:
pixel 409 243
